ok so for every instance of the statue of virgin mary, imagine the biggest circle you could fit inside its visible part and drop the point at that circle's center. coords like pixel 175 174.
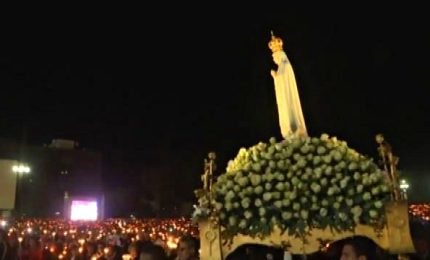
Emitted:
pixel 290 113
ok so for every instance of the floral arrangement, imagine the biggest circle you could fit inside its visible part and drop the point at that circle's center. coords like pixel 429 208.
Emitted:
pixel 296 185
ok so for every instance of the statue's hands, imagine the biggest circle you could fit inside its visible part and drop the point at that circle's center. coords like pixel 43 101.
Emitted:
pixel 273 73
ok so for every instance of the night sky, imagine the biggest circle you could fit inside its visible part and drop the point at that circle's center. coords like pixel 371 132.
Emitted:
pixel 155 95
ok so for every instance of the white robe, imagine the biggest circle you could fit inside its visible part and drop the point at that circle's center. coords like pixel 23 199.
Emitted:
pixel 290 113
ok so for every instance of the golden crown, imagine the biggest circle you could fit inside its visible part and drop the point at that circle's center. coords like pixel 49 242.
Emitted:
pixel 275 43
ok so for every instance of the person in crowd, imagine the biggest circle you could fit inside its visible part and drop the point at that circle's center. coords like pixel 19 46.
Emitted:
pixel 74 253
pixel 422 249
pixel 188 248
pixel 13 246
pixel 135 249
pixel 90 250
pixel 154 252
pixel 358 248
pixel 420 233
pixel 113 253
pixel 4 246
pixel 34 249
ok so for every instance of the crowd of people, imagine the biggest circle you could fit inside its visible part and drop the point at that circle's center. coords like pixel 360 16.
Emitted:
pixel 156 239
pixel 113 239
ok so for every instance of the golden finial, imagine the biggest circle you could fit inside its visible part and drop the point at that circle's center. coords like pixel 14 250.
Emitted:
pixel 210 167
pixel 275 43
pixel 389 162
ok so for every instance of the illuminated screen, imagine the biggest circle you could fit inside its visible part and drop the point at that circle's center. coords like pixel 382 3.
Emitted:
pixel 83 210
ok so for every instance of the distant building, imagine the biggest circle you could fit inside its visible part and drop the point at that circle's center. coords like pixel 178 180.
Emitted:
pixel 63 144
pixel 7 185
pixel 56 169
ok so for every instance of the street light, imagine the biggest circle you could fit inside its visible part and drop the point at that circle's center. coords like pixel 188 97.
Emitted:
pixel 3 223
pixel 404 186
pixel 19 169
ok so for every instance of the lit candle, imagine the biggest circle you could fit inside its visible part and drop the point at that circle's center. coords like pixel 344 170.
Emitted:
pixel 126 257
